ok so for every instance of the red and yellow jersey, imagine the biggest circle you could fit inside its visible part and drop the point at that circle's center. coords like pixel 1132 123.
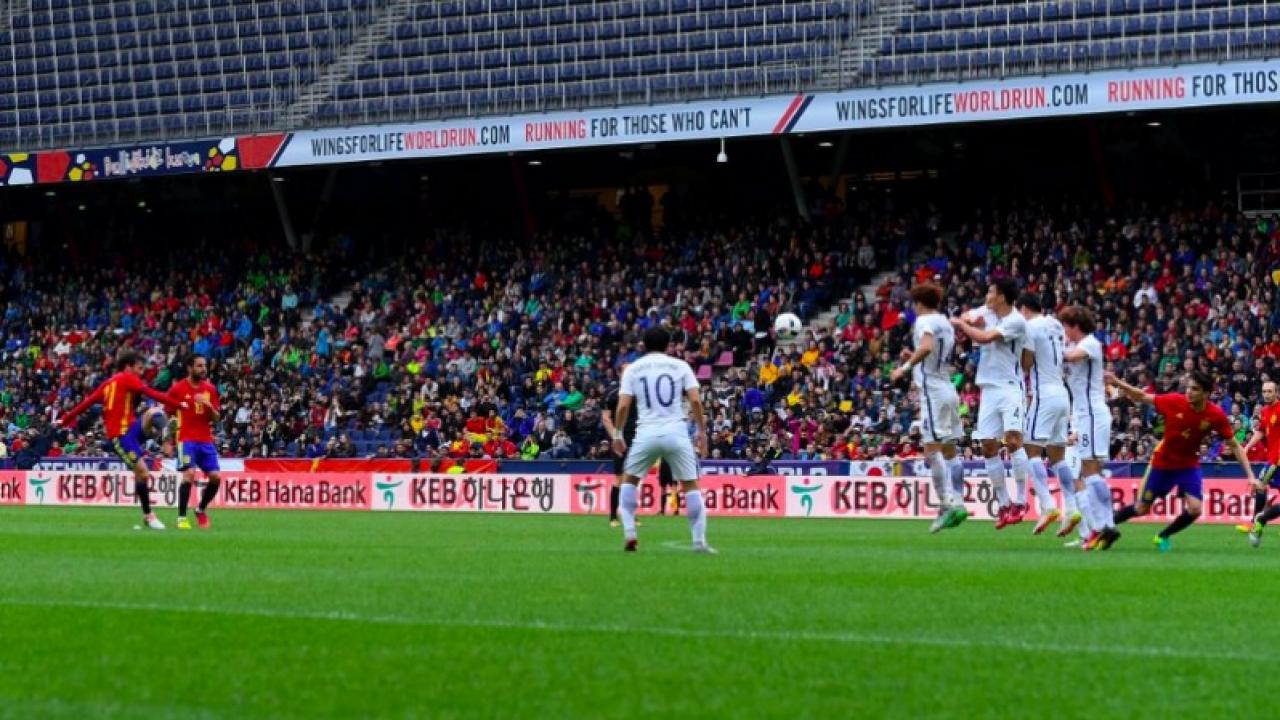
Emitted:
pixel 195 423
pixel 1270 427
pixel 119 397
pixel 1184 430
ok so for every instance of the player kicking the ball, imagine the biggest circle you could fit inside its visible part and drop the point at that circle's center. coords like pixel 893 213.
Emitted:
pixel 195 439
pixel 1176 461
pixel 656 383
pixel 1045 428
pixel 1268 429
pixel 1000 405
pixel 119 397
pixel 930 368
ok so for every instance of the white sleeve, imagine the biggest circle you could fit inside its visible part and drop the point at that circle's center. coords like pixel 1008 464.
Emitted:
pixel 1094 349
pixel 689 379
pixel 1013 327
pixel 628 385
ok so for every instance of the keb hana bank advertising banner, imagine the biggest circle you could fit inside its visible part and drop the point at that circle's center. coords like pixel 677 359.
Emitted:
pixel 810 496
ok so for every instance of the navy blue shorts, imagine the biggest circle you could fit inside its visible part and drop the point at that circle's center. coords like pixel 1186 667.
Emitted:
pixel 202 455
pixel 1158 483
pixel 128 447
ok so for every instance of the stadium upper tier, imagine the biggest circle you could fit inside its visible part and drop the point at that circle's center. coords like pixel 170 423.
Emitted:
pixel 79 73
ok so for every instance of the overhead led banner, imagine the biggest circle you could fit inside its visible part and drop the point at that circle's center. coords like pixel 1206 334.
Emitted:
pixel 1187 86
pixel 1162 88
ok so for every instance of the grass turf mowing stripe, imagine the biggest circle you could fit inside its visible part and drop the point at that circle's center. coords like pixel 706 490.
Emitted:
pixel 787 636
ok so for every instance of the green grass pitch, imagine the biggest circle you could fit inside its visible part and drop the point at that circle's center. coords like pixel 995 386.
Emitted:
pixel 399 615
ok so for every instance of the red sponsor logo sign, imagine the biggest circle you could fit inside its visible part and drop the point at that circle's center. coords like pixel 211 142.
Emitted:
pixel 13 488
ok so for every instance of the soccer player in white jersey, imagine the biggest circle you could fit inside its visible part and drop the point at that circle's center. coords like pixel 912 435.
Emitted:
pixel 1048 413
pixel 1092 420
pixel 656 384
pixel 930 367
pixel 1003 335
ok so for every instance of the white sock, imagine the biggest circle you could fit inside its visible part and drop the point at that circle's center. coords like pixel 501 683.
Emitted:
pixel 995 471
pixel 627 505
pixel 697 516
pixel 1066 485
pixel 1021 468
pixel 957 478
pixel 1101 497
pixel 938 471
pixel 1086 511
pixel 1040 479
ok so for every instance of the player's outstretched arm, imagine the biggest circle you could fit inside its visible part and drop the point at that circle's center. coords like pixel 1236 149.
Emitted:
pixel 979 335
pixel 1242 457
pixel 921 352
pixel 1253 440
pixel 75 412
pixel 1133 393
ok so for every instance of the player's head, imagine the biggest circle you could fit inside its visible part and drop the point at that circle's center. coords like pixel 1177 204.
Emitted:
pixel 1268 392
pixel 656 339
pixel 927 297
pixel 1030 305
pixel 129 360
pixel 197 367
pixel 1002 294
pixel 1078 322
pixel 154 422
pixel 1199 385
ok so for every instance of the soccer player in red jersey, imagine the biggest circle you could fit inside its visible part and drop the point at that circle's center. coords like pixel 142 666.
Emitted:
pixel 1176 462
pixel 195 439
pixel 119 397
pixel 1268 428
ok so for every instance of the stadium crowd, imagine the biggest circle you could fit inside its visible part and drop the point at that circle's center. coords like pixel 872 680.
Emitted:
pixel 474 347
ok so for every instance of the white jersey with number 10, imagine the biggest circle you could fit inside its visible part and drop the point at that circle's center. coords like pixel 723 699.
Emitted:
pixel 658 382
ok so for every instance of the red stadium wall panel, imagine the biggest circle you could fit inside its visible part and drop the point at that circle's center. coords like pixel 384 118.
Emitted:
pixel 878 497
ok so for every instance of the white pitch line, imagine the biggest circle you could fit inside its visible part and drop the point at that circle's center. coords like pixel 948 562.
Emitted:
pixel 844 638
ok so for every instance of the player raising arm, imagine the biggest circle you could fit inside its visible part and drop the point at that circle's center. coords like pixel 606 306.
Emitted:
pixel 119 397
pixel 655 384
pixel 930 368
pixel 1001 402
pixel 1176 462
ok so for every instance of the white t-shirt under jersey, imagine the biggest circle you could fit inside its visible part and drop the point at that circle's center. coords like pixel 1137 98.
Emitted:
pixel 658 382
pixel 1001 362
pixel 1046 338
pixel 1084 377
pixel 937 366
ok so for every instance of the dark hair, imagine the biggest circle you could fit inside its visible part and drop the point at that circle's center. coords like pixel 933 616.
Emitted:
pixel 1029 301
pixel 1008 287
pixel 656 339
pixel 127 359
pixel 1080 317
pixel 927 294
pixel 1204 380
pixel 192 358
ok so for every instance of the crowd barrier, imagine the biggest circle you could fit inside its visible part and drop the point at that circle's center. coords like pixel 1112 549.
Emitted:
pixel 879 495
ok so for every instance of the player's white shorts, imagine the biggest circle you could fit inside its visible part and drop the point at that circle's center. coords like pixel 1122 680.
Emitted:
pixel 1046 422
pixel 940 413
pixel 674 446
pixel 1000 411
pixel 1093 432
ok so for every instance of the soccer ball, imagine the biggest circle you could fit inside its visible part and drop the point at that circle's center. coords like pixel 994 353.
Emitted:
pixel 154 422
pixel 787 326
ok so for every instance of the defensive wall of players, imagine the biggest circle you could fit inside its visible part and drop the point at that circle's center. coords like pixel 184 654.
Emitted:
pixel 888 490
pixel 1186 86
